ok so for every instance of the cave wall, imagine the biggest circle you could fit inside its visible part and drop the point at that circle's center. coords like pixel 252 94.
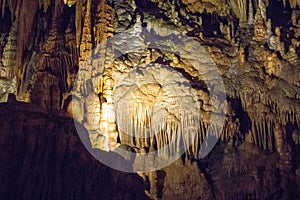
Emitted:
pixel 58 55
pixel 63 50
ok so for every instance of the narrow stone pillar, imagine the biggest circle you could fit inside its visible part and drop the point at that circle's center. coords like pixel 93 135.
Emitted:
pixel 108 118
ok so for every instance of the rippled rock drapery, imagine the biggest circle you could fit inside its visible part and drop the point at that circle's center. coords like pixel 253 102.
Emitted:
pixel 156 107
pixel 45 44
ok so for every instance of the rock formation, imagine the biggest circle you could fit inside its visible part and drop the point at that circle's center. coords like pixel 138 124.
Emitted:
pixel 149 74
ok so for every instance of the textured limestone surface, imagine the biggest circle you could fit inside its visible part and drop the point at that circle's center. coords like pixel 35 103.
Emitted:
pixel 138 74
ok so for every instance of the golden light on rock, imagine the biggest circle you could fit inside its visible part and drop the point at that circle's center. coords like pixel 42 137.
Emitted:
pixel 150 78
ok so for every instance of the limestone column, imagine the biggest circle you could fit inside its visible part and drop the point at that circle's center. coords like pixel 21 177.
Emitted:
pixel 84 72
pixel 107 116
pixel 284 150
pixel 153 184
pixel 153 176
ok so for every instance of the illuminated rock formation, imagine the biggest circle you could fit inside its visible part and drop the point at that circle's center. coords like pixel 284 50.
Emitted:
pixel 126 71
pixel 259 27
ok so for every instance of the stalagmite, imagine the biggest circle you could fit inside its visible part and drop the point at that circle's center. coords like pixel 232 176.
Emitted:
pixel 93 112
pixel 242 59
pixel 107 117
pixel 279 138
pixel 259 27
pixel 294 18
pixel 292 56
pixel 271 64
pixel 283 148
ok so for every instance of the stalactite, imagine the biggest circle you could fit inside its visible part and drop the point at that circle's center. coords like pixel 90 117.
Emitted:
pixel 10 51
pixel 12 5
pixel 241 6
pixel 257 132
pixel 85 47
pixel 45 4
pixel 293 3
pixel 168 131
pixel 250 14
pixel 103 29
pixel 70 3
pixel 25 16
pixel 152 109
pixel 80 13
pixel 3 5
pixel 262 8
pixel 94 24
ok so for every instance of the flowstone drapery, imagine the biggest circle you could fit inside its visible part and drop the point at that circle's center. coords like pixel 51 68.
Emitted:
pixel 156 106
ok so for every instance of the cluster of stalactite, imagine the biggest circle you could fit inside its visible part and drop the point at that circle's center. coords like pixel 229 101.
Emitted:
pixel 50 53
pixel 36 44
pixel 293 3
pixel 54 73
pixel 153 112
pixel 8 53
pixel 265 113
